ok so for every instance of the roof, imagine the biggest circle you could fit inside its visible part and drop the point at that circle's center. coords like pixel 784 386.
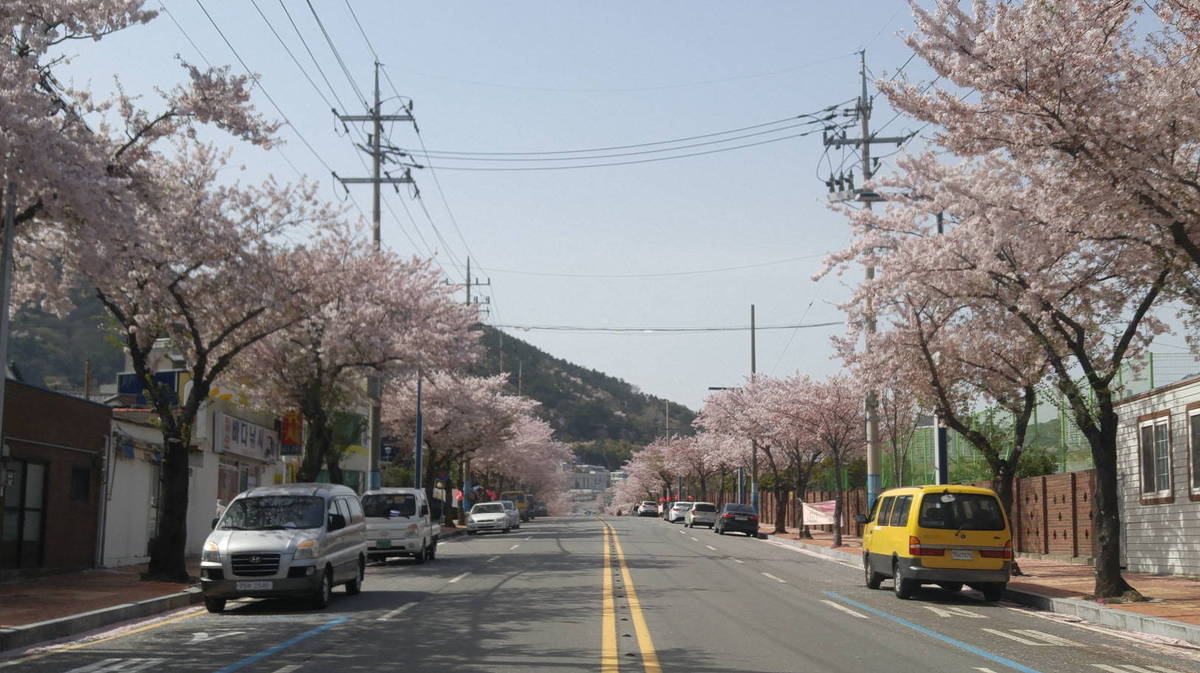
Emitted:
pixel 300 489
pixel 939 488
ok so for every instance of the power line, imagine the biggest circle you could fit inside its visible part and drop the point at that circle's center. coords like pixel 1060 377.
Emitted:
pixel 290 54
pixel 312 56
pixel 664 330
pixel 662 274
pixel 337 55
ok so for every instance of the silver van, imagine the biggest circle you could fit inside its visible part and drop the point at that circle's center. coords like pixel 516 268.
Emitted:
pixel 292 540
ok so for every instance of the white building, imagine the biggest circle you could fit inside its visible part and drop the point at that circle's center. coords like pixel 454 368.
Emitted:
pixel 1158 467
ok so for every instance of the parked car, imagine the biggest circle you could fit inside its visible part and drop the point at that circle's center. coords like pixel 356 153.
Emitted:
pixel 400 522
pixel 514 514
pixel 739 518
pixel 647 508
pixel 488 516
pixel 944 535
pixel 701 514
pixel 677 511
pixel 538 508
pixel 290 540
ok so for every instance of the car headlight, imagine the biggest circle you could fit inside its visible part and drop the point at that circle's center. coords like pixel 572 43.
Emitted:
pixel 211 553
pixel 307 549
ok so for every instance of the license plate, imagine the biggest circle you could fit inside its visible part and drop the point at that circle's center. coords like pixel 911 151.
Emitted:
pixel 740 518
pixel 253 586
pixel 962 554
pixel 383 544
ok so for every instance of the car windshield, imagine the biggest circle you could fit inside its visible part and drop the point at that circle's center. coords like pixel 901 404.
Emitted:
pixel 508 505
pixel 390 504
pixel 961 511
pixel 683 505
pixel 704 507
pixel 488 509
pixel 741 509
pixel 276 512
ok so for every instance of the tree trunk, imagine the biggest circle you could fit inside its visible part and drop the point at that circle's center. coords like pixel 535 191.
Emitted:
pixel 837 502
pixel 317 443
pixel 1106 521
pixel 780 509
pixel 168 553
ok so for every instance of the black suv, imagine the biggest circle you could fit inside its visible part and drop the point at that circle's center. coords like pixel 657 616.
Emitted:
pixel 737 517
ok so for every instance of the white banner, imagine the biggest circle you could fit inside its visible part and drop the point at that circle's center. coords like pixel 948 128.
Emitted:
pixel 819 513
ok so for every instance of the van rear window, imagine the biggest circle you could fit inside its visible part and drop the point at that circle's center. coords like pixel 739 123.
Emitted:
pixel 966 511
pixel 704 507
pixel 390 504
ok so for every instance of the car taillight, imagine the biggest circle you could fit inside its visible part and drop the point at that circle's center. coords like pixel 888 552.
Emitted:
pixel 727 516
pixel 752 517
pixel 915 548
pixel 1006 553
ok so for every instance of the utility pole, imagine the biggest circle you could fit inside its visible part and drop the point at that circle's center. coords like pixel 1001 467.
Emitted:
pixel 377 151
pixel 867 197
pixel 753 443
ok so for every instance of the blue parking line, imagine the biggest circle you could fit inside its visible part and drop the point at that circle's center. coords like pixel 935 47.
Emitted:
pixel 281 646
pixel 934 634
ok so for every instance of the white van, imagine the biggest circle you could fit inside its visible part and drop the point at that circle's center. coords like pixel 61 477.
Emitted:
pixel 289 540
pixel 401 522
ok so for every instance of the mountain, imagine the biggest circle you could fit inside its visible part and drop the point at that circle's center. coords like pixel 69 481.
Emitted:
pixel 50 352
pixel 581 404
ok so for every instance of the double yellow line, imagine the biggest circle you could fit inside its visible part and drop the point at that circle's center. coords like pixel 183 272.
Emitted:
pixel 609 661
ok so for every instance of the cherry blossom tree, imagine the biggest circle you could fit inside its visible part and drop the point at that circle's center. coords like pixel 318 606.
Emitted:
pixel 368 311
pixel 530 458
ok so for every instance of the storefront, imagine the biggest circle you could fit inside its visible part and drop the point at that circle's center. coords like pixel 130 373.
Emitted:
pixel 247 452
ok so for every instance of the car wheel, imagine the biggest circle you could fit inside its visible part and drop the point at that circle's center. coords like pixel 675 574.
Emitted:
pixel 214 605
pixel 903 586
pixel 471 532
pixel 720 531
pixel 993 591
pixel 419 556
pixel 432 551
pixel 320 600
pixel 354 586
pixel 505 531
pixel 951 586
pixel 872 578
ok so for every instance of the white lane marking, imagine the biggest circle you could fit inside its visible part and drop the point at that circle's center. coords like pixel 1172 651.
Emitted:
pixel 775 578
pixel 392 613
pixel 1032 637
pixel 528 537
pixel 984 670
pixel 203 637
pixel 492 559
pixel 513 547
pixel 1130 668
pixel 845 609
pixel 954 611
pixel 739 560
pixel 695 539
pixel 458 578
pixel 287 669
pixel 792 547
pixel 115 665
pixel 711 547
pixel 683 532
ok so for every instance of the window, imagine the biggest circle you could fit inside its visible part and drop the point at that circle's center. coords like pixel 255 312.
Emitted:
pixel 900 510
pixel 885 511
pixel 81 484
pixel 961 511
pixel 356 511
pixel 1194 448
pixel 1154 437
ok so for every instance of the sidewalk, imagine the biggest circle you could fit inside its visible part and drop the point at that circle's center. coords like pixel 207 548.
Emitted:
pixel 1172 610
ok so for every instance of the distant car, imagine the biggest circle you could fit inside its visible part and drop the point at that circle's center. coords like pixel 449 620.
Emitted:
pixel 648 508
pixel 488 516
pixel 678 511
pixel 513 513
pixel 537 508
pixel 701 514
pixel 739 518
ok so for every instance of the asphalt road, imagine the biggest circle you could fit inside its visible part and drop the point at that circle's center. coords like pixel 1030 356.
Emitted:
pixel 615 595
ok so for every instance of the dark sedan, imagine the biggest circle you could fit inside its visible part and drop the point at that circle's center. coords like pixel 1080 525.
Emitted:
pixel 739 518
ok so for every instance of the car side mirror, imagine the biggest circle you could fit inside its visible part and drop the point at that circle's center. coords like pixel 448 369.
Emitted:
pixel 337 522
pixel 214 522
pixel 860 518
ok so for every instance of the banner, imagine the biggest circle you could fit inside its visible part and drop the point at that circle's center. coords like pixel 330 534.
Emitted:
pixel 819 513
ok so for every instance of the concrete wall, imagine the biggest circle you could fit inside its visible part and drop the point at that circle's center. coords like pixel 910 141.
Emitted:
pixel 1161 535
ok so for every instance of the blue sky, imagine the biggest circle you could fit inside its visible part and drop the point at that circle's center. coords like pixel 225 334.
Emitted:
pixel 550 76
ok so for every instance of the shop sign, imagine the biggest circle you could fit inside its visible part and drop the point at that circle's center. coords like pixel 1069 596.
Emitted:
pixel 247 439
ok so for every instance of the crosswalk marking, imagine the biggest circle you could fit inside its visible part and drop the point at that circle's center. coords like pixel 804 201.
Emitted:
pixel 843 608
pixel 1032 637
pixel 117 665
pixel 1130 668
pixel 954 611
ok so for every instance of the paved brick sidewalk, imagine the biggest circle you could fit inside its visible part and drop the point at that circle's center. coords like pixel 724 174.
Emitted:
pixel 1170 597
pixel 37 600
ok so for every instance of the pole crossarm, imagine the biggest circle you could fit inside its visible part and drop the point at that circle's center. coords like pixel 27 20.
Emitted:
pixel 371 118
pixel 856 142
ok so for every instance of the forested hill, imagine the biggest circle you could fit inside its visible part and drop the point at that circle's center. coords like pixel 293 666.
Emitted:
pixel 583 405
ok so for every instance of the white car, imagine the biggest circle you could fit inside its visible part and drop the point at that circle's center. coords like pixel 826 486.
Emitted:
pixel 678 511
pixel 400 523
pixel 701 514
pixel 488 516
pixel 514 514
pixel 648 508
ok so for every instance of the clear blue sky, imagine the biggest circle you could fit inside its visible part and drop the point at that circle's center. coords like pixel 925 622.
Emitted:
pixel 548 76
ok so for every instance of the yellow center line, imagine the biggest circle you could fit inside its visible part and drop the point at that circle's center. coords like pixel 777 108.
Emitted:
pixel 645 642
pixel 609 663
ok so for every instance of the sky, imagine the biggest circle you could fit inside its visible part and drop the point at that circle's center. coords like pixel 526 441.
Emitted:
pixel 688 242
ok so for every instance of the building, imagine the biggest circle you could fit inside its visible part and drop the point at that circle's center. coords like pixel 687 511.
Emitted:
pixel 51 467
pixel 589 478
pixel 1158 465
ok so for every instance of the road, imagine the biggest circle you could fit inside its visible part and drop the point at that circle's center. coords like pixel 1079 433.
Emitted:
pixel 615 595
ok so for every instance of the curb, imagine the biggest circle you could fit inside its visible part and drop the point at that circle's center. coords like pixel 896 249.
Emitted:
pixel 29 634
pixel 1096 614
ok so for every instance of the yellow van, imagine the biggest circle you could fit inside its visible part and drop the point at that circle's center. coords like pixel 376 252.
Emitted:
pixel 943 535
